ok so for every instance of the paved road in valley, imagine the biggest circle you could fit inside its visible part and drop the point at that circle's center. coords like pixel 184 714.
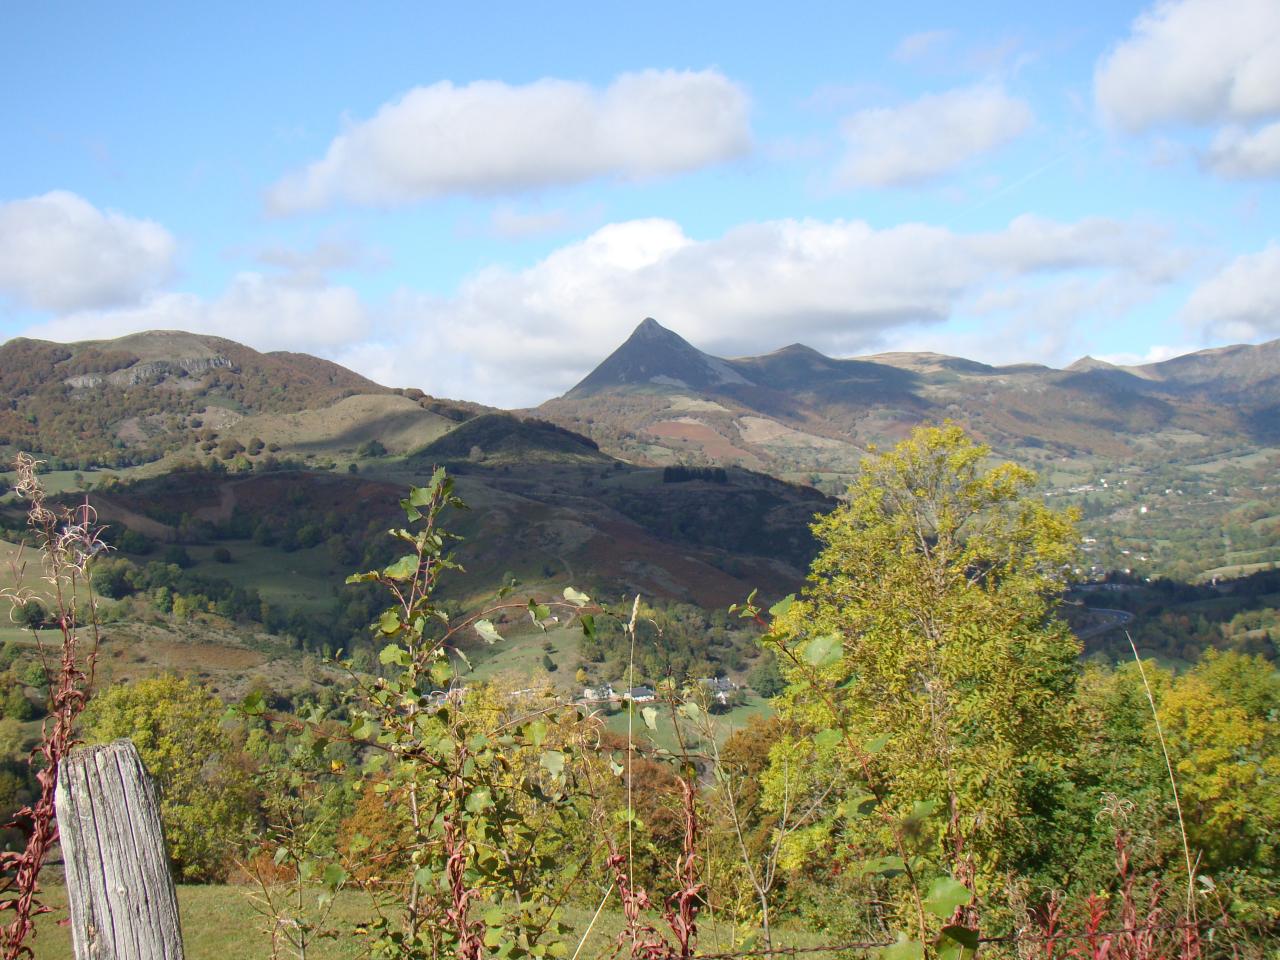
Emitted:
pixel 1110 620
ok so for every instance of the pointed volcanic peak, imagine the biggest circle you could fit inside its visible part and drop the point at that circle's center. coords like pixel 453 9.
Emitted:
pixel 654 359
pixel 1087 363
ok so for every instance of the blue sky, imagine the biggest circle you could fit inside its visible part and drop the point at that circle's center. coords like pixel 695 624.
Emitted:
pixel 483 202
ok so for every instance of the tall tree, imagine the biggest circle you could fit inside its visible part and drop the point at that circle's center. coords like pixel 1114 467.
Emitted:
pixel 206 800
pixel 928 678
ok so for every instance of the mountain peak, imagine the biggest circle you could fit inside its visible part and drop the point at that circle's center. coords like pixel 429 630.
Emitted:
pixel 655 358
pixel 1088 362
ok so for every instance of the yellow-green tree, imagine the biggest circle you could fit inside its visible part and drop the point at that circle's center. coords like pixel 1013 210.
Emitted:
pixel 1223 724
pixel 206 801
pixel 927 680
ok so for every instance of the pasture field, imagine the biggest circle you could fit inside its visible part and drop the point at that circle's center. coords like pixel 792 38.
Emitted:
pixel 302 580
pixel 665 736
pixel 207 934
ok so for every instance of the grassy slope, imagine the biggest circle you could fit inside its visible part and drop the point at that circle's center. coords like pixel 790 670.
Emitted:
pixel 665 736
pixel 300 580
pixel 398 423
pixel 207 934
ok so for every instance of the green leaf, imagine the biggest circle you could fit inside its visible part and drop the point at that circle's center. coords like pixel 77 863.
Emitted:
pixel 537 732
pixel 403 569
pixel 782 606
pixel 650 715
pixel 552 761
pixel 691 712
pixel 423 877
pixel 588 625
pixel 479 800
pixel 957 943
pixel 362 728
pixel 254 705
pixel 904 949
pixel 923 808
pixel 860 805
pixel 488 633
pixel 890 866
pixel 576 597
pixel 876 744
pixel 538 612
pixel 823 651
pixel 945 894
pixel 441 673
pixel 334 876
pixel 389 622
pixel 825 739
pixel 394 653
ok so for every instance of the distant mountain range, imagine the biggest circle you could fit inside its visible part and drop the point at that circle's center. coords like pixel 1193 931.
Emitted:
pixel 659 398
pixel 576 484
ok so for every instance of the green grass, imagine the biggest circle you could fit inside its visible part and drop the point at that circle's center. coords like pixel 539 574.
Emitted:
pixel 665 737
pixel 24 637
pixel 301 580
pixel 1236 570
pixel 26 564
pixel 519 655
pixel 219 922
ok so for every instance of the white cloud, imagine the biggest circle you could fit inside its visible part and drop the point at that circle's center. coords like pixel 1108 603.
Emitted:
pixel 1195 61
pixel 490 138
pixel 266 313
pixel 60 252
pixel 514 223
pixel 1155 354
pixel 920 46
pixel 329 253
pixel 843 287
pixel 1242 300
pixel 929 137
pixel 1240 155
pixel 516 337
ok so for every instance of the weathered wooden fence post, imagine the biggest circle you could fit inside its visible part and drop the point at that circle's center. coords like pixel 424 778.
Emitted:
pixel 119 889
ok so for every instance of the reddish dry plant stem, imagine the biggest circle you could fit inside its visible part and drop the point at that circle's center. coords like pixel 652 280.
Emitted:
pixel 646 943
pixel 470 932
pixel 1137 936
pixel 682 906
pixel 680 910
pixel 68 542
pixel 68 700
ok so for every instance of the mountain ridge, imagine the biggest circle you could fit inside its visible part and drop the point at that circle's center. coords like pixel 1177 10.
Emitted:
pixel 655 398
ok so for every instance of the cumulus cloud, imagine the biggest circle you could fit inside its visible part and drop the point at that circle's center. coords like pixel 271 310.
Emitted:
pixel 488 137
pixel 929 137
pixel 843 287
pixel 1155 354
pixel 515 337
pixel 1240 155
pixel 1242 300
pixel 267 313
pixel 1194 61
pixel 60 252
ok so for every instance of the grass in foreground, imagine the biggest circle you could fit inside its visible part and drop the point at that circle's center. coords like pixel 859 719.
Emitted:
pixel 219 922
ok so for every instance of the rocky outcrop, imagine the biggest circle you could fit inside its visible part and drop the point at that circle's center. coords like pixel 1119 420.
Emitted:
pixel 150 370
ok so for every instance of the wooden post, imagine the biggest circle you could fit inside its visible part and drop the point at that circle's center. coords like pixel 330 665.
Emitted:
pixel 119 889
